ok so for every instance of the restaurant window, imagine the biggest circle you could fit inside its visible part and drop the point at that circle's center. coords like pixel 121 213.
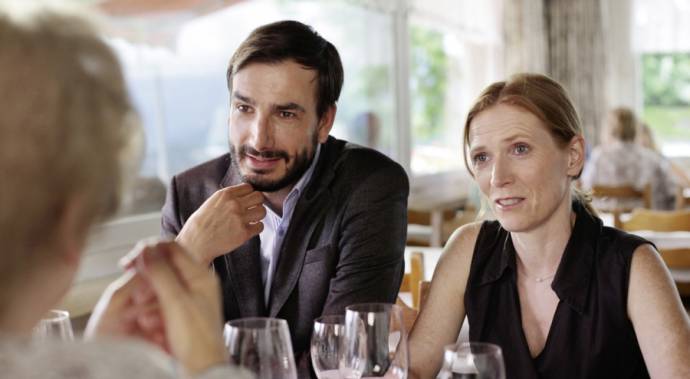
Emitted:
pixel 660 27
pixel 453 56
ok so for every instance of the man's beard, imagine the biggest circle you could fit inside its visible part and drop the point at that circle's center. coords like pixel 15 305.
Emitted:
pixel 301 163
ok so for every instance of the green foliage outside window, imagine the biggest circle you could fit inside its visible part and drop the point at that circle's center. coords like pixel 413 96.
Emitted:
pixel 428 78
pixel 666 88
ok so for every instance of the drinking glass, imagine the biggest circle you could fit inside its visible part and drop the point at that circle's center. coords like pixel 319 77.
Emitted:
pixel 375 341
pixel 472 360
pixel 262 346
pixel 326 346
pixel 55 325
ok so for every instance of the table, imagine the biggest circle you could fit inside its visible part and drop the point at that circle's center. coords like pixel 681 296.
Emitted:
pixel 435 194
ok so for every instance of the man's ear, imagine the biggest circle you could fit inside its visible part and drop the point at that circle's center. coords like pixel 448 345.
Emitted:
pixel 576 156
pixel 326 123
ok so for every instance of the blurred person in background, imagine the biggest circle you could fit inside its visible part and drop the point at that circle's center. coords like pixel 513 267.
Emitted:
pixel 645 138
pixel 619 161
pixel 66 132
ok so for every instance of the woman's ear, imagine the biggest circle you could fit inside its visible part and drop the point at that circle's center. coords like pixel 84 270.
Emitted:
pixel 576 156
pixel 72 230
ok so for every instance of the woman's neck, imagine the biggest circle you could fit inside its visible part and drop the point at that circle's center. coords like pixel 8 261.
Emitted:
pixel 539 251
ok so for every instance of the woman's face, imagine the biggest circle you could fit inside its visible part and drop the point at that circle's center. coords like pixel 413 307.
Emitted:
pixel 519 167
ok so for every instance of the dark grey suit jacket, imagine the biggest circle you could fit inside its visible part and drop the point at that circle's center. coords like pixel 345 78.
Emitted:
pixel 344 244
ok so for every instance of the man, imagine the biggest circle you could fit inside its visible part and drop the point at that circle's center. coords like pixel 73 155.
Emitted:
pixel 296 223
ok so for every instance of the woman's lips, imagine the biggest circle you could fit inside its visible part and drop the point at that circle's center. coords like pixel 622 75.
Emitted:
pixel 506 203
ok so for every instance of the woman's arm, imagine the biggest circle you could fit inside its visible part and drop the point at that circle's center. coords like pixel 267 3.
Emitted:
pixel 660 321
pixel 439 321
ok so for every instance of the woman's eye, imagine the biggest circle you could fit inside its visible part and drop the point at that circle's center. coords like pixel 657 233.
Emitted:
pixel 521 149
pixel 479 158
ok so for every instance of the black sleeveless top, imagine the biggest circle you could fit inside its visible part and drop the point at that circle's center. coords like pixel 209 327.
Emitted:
pixel 591 335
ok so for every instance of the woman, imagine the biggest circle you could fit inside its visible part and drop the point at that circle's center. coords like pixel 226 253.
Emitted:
pixel 561 294
pixel 619 161
pixel 64 127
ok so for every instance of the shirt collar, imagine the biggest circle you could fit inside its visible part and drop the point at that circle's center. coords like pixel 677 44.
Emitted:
pixel 295 192
pixel 573 276
pixel 304 180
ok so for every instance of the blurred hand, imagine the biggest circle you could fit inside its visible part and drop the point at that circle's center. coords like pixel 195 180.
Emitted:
pixel 166 298
pixel 226 220
pixel 128 308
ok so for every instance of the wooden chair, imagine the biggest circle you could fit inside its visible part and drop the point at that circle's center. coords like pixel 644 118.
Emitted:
pixel 622 193
pixel 665 221
pixel 678 259
pixel 409 313
pixel 410 282
pixel 658 221
pixel 424 288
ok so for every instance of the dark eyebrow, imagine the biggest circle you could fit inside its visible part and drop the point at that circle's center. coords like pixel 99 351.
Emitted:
pixel 243 98
pixel 290 107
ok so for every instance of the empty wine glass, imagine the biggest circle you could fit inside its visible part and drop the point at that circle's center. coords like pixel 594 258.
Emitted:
pixel 262 346
pixel 326 346
pixel 472 360
pixel 375 342
pixel 55 325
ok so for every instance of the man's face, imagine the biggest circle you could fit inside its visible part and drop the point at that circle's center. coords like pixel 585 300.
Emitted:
pixel 274 128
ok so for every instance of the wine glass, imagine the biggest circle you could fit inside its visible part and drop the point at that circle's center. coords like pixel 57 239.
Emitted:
pixel 262 346
pixel 326 341
pixel 375 342
pixel 55 325
pixel 472 360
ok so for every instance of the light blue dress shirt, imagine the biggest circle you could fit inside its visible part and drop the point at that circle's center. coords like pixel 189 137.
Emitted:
pixel 275 228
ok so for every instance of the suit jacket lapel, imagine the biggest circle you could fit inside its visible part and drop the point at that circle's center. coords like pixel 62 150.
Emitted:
pixel 244 266
pixel 310 205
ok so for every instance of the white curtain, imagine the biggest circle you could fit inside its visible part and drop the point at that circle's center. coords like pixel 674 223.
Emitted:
pixel 524 36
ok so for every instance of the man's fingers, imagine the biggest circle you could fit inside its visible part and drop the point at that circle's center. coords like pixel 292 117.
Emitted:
pixel 252 199
pixel 238 190
pixel 255 214
pixel 254 229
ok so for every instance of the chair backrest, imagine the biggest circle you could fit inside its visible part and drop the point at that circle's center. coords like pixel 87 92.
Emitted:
pixel 678 259
pixel 424 288
pixel 659 221
pixel 411 280
pixel 624 193
pixel 621 193
pixel 409 314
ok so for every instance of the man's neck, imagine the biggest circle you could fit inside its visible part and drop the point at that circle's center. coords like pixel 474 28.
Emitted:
pixel 275 199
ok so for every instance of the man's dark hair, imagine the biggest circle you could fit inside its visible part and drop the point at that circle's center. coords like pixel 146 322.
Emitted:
pixel 285 40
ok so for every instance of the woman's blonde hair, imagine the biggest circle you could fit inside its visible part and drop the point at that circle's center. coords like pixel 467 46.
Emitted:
pixel 544 98
pixel 621 124
pixel 65 124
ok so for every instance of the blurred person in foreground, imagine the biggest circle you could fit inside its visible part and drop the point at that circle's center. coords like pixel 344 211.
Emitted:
pixel 296 223
pixel 66 129
pixel 561 294
pixel 619 161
